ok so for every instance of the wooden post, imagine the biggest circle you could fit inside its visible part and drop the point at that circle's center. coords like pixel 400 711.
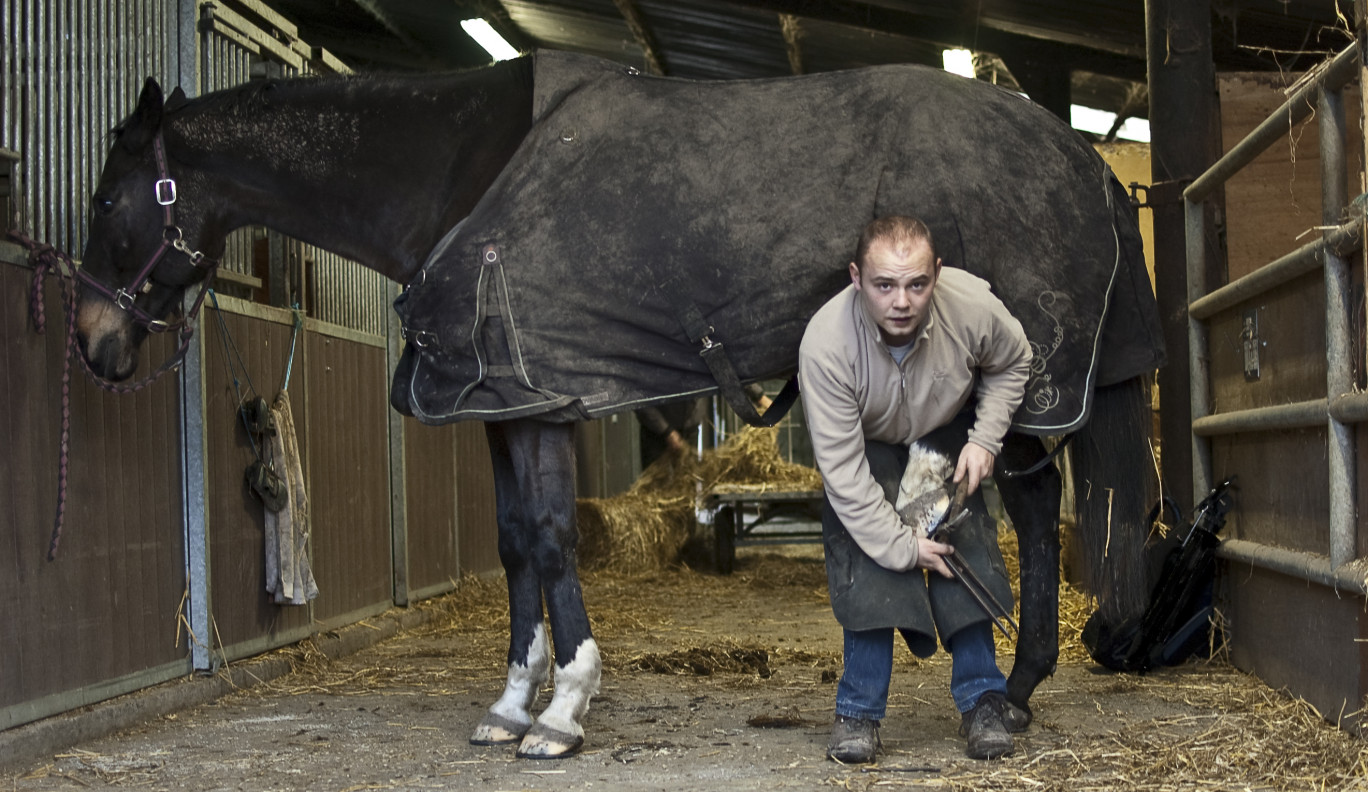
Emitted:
pixel 1183 142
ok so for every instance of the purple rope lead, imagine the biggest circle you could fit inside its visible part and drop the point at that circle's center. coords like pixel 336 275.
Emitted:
pixel 45 259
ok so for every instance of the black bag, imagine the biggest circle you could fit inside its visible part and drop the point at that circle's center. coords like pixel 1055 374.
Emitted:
pixel 1175 623
pixel 268 486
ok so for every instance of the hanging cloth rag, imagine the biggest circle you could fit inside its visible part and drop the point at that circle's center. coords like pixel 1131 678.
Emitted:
pixel 288 574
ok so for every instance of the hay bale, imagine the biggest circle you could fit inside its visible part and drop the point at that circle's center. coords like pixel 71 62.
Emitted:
pixel 646 527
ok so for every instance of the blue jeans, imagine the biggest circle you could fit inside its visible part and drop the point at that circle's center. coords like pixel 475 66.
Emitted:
pixel 863 690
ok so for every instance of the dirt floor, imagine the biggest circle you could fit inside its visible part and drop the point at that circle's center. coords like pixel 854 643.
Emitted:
pixel 710 683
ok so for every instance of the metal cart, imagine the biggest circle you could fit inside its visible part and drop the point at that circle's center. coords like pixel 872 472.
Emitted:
pixel 753 518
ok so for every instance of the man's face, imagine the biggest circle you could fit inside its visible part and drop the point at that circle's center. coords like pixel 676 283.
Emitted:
pixel 896 287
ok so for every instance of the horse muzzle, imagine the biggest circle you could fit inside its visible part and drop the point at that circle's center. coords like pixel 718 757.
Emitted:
pixel 107 337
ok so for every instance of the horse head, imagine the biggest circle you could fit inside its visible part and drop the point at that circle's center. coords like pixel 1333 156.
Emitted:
pixel 139 258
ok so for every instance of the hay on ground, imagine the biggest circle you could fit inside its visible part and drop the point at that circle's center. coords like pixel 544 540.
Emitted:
pixel 646 527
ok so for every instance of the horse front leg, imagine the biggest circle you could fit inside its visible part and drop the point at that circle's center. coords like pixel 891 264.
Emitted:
pixel 542 461
pixel 529 652
pixel 1032 501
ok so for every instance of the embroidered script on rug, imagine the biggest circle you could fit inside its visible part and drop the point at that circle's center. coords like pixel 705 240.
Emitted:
pixel 1041 393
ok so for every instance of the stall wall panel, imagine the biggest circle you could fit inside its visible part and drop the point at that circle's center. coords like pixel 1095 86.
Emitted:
pixel 621 453
pixel 105 608
pixel 589 456
pixel 1273 205
pixel 242 609
pixel 1291 347
pixel 430 502
pixel 69 71
pixel 347 398
pixel 477 515
pixel 1301 636
pixel 607 456
pixel 1272 208
pixel 1283 490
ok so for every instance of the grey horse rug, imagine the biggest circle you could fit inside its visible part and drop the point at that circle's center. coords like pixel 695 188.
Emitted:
pixel 644 219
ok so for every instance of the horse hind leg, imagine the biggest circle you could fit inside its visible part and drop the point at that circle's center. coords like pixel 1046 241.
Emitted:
pixel 1032 502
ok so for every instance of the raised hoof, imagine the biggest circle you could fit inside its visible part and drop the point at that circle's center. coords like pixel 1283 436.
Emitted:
pixel 1016 718
pixel 544 742
pixel 498 730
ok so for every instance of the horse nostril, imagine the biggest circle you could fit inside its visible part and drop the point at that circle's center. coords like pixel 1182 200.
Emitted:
pixel 109 356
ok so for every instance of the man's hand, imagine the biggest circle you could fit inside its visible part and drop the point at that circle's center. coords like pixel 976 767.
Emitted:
pixel 675 441
pixel 975 464
pixel 929 556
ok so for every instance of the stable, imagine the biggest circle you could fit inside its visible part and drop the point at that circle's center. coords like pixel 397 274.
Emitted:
pixel 129 517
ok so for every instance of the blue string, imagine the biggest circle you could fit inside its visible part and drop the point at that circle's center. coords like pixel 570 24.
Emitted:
pixel 294 336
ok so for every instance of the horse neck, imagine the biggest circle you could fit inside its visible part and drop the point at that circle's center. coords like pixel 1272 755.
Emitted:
pixel 373 170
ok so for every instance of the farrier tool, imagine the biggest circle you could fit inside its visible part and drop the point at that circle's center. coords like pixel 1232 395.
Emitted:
pixel 952 512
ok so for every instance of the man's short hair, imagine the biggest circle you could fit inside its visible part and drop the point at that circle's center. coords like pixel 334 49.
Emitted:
pixel 896 230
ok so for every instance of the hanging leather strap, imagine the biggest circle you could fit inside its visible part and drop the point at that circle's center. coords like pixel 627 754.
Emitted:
pixel 714 354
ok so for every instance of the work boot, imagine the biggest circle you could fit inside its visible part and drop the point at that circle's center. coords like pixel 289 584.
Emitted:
pixel 983 725
pixel 853 740
pixel 1016 718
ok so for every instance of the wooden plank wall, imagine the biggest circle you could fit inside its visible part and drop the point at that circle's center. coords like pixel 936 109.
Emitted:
pixel 476 513
pixel 346 390
pixel 430 502
pixel 105 609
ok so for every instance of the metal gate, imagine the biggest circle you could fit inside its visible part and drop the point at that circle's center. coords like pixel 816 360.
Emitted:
pixel 1249 436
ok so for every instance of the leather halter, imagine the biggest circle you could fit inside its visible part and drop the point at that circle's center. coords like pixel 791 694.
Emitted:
pixel 172 238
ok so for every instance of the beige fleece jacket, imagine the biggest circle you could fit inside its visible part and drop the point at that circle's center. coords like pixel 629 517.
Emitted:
pixel 852 390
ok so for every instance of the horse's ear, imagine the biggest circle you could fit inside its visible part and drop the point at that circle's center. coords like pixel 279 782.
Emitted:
pixel 176 99
pixel 146 119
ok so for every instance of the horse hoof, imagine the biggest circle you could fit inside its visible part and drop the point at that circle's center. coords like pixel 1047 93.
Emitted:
pixel 544 742
pixel 498 730
pixel 1016 718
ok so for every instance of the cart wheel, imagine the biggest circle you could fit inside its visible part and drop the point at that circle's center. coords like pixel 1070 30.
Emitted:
pixel 724 540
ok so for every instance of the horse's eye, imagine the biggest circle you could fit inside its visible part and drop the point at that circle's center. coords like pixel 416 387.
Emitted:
pixel 103 204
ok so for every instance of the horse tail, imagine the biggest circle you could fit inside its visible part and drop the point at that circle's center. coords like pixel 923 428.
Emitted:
pixel 1113 477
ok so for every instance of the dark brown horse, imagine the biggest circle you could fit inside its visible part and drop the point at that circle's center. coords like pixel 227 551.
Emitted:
pixel 580 240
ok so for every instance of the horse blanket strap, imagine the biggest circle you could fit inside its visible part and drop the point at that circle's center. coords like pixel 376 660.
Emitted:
pixel 632 198
pixel 715 355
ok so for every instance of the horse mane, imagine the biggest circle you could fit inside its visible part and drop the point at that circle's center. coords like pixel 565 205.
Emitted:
pixel 252 96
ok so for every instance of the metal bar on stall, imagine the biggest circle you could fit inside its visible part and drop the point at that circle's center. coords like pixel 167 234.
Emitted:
pixel 398 470
pixel 1298 415
pixel 1341 69
pixel 1350 408
pixel 1199 356
pixel 1339 376
pixel 194 434
pixel 1342 240
pixel 1294 563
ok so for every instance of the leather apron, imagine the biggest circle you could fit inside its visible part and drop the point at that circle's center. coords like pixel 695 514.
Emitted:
pixel 866 596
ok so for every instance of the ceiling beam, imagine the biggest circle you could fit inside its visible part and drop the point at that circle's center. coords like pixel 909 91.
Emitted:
pixel 1048 84
pixel 1103 57
pixel 642 33
pixel 373 8
pixel 372 53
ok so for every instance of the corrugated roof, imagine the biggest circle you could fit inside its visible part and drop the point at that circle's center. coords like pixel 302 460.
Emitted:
pixel 1100 42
